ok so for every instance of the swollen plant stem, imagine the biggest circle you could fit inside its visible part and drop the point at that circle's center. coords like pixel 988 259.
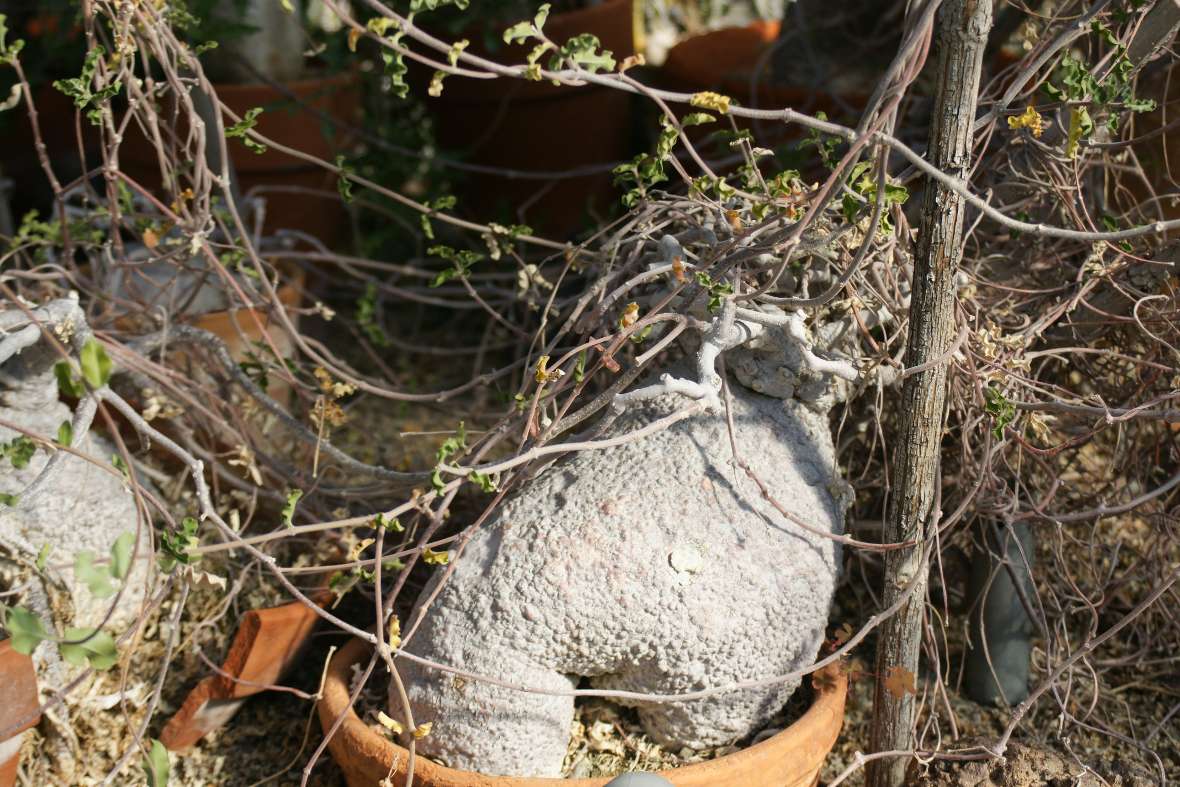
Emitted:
pixel 963 28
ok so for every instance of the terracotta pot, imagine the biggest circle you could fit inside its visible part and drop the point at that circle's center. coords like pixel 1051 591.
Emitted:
pixel 18 156
pixel 733 62
pixel 537 127
pixel 295 122
pixel 265 645
pixel 18 692
pixel 792 758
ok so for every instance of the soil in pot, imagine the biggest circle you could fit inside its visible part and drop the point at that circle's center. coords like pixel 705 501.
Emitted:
pixel 790 758
pixel 537 129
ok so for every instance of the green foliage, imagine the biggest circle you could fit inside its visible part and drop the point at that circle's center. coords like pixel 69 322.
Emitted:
pixel 382 523
pixel 8 50
pixel 25 629
pixel 288 512
pixel 65 434
pixel 96 365
pixel 239 130
pixel 97 579
pixel 453 445
pixel 585 52
pixel 176 548
pixel 1108 96
pixel 825 144
pixel 461 261
pixel 431 5
pixel 156 767
pixel 445 202
pixel 395 64
pixel 862 182
pixel 253 367
pixel 343 183
pixel 647 169
pixel 34 232
pixel 717 290
pixel 80 88
pixel 7 499
pixel 482 480
pixel 1001 410
pixel 89 647
pixel 366 317
pixel 121 552
pixel 18 450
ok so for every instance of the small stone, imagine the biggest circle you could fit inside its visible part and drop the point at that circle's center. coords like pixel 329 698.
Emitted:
pixel 686 559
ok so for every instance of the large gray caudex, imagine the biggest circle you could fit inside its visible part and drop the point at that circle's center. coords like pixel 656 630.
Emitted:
pixel 653 566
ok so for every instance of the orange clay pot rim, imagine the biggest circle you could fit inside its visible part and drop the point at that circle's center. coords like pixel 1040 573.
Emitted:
pixel 830 697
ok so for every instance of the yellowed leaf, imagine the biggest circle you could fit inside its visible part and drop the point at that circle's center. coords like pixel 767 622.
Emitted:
pixel 393 725
pixel 423 729
pixel 395 632
pixel 430 557
pixel 354 35
pixel 630 315
pixel 150 238
pixel 709 100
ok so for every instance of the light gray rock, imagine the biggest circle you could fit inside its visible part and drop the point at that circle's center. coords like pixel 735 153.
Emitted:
pixel 85 507
pixel 654 566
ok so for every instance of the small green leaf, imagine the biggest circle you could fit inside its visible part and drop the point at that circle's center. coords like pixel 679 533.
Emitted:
pixel 483 481
pixel 156 766
pixel 175 547
pixel 96 578
pixel 26 630
pixel 293 496
pixel 343 184
pixel 121 555
pixel 43 556
pixel 238 130
pixel 65 434
pixel 8 499
pixel 67 383
pixel 84 646
pixel 518 32
pixel 393 524
pixel 96 365
pixel 19 451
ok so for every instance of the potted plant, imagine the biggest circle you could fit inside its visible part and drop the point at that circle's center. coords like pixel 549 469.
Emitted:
pixel 261 71
pixel 528 131
pixel 790 758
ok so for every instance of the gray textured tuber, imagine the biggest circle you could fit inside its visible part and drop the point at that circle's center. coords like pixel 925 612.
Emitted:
pixel 81 505
pixel 653 566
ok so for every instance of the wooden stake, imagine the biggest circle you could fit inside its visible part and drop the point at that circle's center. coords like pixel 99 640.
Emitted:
pixel 963 27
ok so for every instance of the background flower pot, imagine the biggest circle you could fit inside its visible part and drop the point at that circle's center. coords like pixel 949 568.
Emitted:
pixel 537 127
pixel 736 62
pixel 312 116
pixel 792 758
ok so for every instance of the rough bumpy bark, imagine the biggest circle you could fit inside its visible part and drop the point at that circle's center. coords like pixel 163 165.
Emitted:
pixel 962 33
